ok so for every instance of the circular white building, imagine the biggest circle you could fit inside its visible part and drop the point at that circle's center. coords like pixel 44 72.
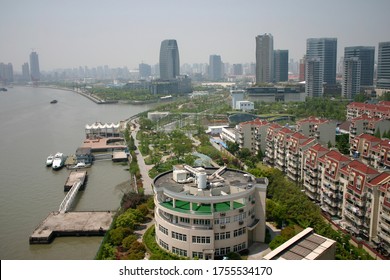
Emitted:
pixel 206 213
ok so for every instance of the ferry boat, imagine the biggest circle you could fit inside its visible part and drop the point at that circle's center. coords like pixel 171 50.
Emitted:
pixel 58 161
pixel 53 101
pixel 49 160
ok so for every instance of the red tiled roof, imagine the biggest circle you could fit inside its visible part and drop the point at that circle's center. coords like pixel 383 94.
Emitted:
pixel 380 179
pixel 312 119
pixel 319 148
pixel 258 122
pixel 298 135
pixel 368 137
pixel 359 166
pixel 337 156
pixel 286 130
pixel 308 141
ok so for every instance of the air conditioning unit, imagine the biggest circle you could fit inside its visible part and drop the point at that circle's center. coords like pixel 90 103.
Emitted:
pixel 241 210
pixel 241 223
pixel 253 216
pixel 222 226
pixel 222 214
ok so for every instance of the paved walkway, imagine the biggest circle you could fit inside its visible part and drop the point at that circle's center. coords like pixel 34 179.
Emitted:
pixel 258 250
pixel 144 169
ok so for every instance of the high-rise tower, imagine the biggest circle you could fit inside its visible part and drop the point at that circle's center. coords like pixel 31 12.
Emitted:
pixel 383 65
pixel 169 60
pixel 281 65
pixel 324 51
pixel 34 67
pixel 264 58
pixel 351 77
pixel 366 55
pixel 215 68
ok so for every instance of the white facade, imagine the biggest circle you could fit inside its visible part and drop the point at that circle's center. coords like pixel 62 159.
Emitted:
pixel 245 105
pixel 209 212
pixel 229 134
pixel 237 95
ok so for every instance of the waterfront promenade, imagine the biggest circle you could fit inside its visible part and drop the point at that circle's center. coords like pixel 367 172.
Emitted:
pixel 144 169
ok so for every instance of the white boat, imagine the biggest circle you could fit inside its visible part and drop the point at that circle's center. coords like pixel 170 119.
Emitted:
pixel 80 165
pixel 49 160
pixel 58 161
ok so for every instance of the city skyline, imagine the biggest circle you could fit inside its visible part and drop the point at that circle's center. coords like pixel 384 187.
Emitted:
pixel 127 33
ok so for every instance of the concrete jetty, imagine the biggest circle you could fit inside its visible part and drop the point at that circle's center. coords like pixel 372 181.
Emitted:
pixel 71 224
pixel 75 177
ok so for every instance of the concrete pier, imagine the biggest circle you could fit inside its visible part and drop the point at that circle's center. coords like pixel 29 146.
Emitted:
pixel 71 224
pixel 75 177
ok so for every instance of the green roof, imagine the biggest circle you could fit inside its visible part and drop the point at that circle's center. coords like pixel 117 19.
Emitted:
pixel 184 207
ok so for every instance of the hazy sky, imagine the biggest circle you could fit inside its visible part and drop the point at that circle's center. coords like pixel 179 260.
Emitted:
pixel 72 33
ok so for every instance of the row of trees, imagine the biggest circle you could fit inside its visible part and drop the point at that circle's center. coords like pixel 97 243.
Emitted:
pixel 121 241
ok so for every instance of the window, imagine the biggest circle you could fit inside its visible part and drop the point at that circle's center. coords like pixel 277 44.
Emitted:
pixel 239 232
pixel 240 217
pixel 222 251
pixel 179 236
pixel 179 251
pixel 163 229
pixel 201 222
pixel 164 245
pixel 222 221
pixel 198 255
pixel 239 247
pixel 201 239
pixel 184 220
pixel 222 235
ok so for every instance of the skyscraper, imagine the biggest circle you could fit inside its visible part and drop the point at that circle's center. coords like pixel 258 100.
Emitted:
pixel 366 55
pixel 6 73
pixel 351 77
pixel 215 68
pixel 145 70
pixel 324 50
pixel 264 58
pixel 34 67
pixel 313 77
pixel 281 65
pixel 169 60
pixel 26 71
pixel 383 65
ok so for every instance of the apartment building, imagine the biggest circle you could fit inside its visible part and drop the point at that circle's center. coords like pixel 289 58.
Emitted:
pixel 367 124
pixel 362 145
pixel 252 135
pixel 323 130
pixel 270 151
pixel 280 148
pixel 331 196
pixel 380 155
pixel 207 213
pixel 296 147
pixel 383 229
pixel 356 109
pixel 229 134
pixel 357 209
pixel 311 174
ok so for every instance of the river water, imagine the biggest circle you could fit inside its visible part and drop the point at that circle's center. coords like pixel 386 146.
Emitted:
pixel 31 128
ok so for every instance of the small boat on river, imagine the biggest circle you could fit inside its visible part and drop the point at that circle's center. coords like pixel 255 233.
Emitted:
pixel 53 101
pixel 49 160
pixel 58 161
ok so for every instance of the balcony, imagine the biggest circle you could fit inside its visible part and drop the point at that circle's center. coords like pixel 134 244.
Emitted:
pixel 385 226
pixel 292 170
pixel 384 236
pixel 311 188
pixel 385 215
pixel 291 176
